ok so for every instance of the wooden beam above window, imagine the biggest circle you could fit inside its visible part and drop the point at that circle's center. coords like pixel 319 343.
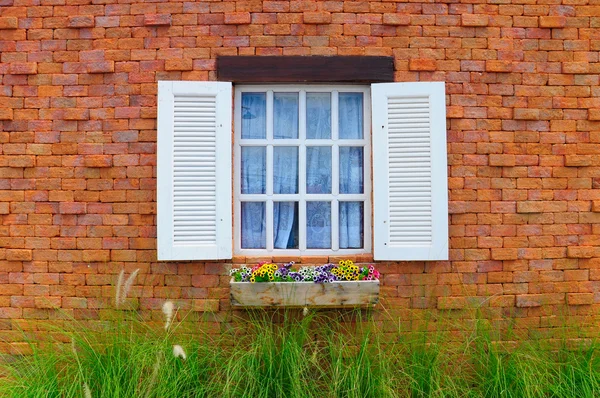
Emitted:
pixel 310 69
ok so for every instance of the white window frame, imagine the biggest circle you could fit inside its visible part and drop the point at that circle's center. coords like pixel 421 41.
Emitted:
pixel 302 197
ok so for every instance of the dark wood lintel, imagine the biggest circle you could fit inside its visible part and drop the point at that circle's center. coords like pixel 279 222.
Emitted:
pixel 308 69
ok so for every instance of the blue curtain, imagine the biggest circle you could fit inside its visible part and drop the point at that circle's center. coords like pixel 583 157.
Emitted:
pixel 285 214
pixel 318 171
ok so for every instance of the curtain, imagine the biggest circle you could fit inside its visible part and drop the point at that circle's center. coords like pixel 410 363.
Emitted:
pixel 253 173
pixel 318 171
pixel 285 214
pixel 351 115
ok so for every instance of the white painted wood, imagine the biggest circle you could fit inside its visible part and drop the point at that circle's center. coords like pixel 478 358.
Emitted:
pixel 301 142
pixel 194 170
pixel 304 294
pixel 410 188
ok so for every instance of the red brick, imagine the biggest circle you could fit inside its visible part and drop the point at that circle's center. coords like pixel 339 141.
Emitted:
pixel 422 65
pixel 451 303
pixel 498 66
pixel 580 251
pixel 178 64
pixel 47 302
pixel 23 68
pixel 526 114
pixel 76 114
pixel 206 305
pixel 581 160
pixel 504 254
pixel 317 17
pixel 538 300
pixel 100 67
pixel 541 206
pixel 74 302
pixel 81 21
pixel 576 67
pixel 157 19
pixel 9 23
pixel 98 160
pixel 594 114
pixel 78 146
pixel 580 298
pixel 502 160
pixel 72 208
pixel 19 255
pixel 6 114
pixel 396 19
pixel 474 20
pixel 553 21
pixel 237 18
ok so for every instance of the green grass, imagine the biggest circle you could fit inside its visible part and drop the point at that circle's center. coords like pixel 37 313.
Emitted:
pixel 284 354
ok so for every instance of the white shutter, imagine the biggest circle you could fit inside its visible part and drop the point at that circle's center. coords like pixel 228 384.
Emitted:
pixel 410 187
pixel 194 170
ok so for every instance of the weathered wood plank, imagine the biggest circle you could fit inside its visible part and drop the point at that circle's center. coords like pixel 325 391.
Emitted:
pixel 310 69
pixel 304 294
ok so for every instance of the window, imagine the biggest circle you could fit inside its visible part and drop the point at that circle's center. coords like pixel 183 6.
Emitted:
pixel 302 170
pixel 302 181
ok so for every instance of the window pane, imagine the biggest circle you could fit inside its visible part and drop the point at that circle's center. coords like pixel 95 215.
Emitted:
pixel 253 225
pixel 285 225
pixel 351 225
pixel 318 115
pixel 254 115
pixel 351 115
pixel 285 115
pixel 351 169
pixel 318 225
pixel 285 169
pixel 318 169
pixel 253 179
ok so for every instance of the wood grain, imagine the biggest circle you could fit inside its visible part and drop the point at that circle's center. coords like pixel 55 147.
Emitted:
pixel 310 69
pixel 304 294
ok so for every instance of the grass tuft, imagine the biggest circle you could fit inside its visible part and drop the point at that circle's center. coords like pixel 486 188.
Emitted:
pixel 296 354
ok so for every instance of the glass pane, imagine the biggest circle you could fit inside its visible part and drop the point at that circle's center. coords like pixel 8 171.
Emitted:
pixel 253 225
pixel 318 115
pixel 254 177
pixel 285 169
pixel 254 115
pixel 285 115
pixel 351 225
pixel 318 169
pixel 351 115
pixel 285 225
pixel 318 225
pixel 351 169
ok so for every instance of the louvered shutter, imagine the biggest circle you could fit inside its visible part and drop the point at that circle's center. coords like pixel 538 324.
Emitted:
pixel 194 170
pixel 410 188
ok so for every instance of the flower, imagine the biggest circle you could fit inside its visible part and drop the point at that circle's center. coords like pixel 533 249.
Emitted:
pixel 178 352
pixel 122 290
pixel 167 309
pixel 118 288
pixel 87 393
pixel 345 270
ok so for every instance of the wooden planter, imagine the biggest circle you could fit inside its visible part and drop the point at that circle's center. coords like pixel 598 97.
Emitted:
pixel 304 294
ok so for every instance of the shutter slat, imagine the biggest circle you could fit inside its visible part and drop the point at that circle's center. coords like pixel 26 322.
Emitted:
pixel 200 112
pixel 402 231
pixel 410 183
pixel 194 192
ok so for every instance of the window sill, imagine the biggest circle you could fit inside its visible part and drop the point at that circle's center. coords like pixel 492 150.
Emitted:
pixel 304 260
pixel 305 294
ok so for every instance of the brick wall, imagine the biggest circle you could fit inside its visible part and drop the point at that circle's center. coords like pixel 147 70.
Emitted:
pixel 78 142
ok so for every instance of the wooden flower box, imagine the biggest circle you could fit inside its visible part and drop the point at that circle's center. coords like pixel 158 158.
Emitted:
pixel 305 294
